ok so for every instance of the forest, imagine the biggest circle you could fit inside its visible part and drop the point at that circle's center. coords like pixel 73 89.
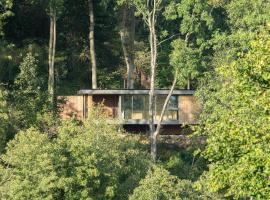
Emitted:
pixel 51 48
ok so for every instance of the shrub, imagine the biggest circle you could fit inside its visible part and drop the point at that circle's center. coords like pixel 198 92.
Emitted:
pixel 3 120
pixel 94 160
pixel 160 185
pixel 28 99
pixel 236 121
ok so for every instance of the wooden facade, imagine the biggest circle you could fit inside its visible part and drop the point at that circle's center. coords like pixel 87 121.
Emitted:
pixel 72 106
pixel 187 111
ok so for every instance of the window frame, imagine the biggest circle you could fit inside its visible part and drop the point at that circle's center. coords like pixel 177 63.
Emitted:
pixel 122 111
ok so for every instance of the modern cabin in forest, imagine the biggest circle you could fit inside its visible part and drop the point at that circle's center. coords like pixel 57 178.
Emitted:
pixel 130 107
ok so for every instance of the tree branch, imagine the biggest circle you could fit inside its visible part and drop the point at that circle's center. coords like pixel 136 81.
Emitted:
pixel 172 36
pixel 165 106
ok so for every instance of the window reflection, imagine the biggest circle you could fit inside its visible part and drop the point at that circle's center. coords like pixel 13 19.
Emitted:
pixel 135 107
pixel 171 112
pixel 140 107
pixel 126 107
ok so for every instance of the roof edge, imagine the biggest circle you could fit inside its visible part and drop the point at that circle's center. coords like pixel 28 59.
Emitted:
pixel 135 91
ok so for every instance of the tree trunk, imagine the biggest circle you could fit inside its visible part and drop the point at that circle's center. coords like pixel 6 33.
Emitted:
pixel 52 47
pixel 150 20
pixel 92 45
pixel 188 79
pixel 127 34
pixel 188 83
pixel 153 46
pixel 156 133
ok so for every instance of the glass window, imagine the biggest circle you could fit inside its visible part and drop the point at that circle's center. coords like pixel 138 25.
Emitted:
pixel 136 107
pixel 126 107
pixel 173 103
pixel 171 112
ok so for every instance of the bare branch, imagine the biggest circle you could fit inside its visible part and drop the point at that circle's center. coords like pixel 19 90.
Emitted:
pixel 169 38
pixel 187 37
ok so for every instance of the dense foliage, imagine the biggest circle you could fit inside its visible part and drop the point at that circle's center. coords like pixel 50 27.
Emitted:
pixel 3 119
pixel 93 160
pixel 220 48
pixel 160 184
pixel 236 120
pixel 28 98
pixel 5 7
pixel 235 98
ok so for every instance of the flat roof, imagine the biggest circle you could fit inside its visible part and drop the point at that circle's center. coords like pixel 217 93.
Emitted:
pixel 130 92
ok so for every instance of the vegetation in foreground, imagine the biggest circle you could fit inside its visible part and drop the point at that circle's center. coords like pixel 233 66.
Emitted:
pixel 93 160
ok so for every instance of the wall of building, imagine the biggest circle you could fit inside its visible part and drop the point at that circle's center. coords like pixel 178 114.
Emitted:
pixel 72 106
pixel 79 107
pixel 189 110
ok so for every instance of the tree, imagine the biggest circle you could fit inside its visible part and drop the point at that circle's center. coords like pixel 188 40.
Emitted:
pixel 160 184
pixel 5 12
pixel 28 101
pixel 236 122
pixel 127 34
pixel 157 131
pixel 234 96
pixel 192 50
pixel 54 7
pixel 195 23
pixel 92 44
pixel 24 104
pixel 187 60
pixel 92 160
pixel 149 10
pixel 3 119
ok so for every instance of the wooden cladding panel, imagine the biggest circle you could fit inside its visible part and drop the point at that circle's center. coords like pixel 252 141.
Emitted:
pixel 189 110
pixel 72 106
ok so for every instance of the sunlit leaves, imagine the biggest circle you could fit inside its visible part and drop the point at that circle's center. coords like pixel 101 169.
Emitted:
pixel 93 160
pixel 160 184
pixel 248 14
pixel 195 15
pixel 3 119
pixel 5 12
pixel 185 60
pixel 237 123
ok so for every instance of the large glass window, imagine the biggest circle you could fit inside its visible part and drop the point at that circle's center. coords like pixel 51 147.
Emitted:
pixel 135 107
pixel 171 112
pixel 140 107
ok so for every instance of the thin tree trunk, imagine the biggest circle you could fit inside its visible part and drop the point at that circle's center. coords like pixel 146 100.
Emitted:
pixel 50 55
pixel 156 133
pixel 52 47
pixel 92 45
pixel 127 34
pixel 150 20
pixel 53 60
pixel 188 83
pixel 153 46
pixel 188 79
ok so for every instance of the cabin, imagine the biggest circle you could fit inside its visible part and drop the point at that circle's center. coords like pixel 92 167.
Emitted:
pixel 130 107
